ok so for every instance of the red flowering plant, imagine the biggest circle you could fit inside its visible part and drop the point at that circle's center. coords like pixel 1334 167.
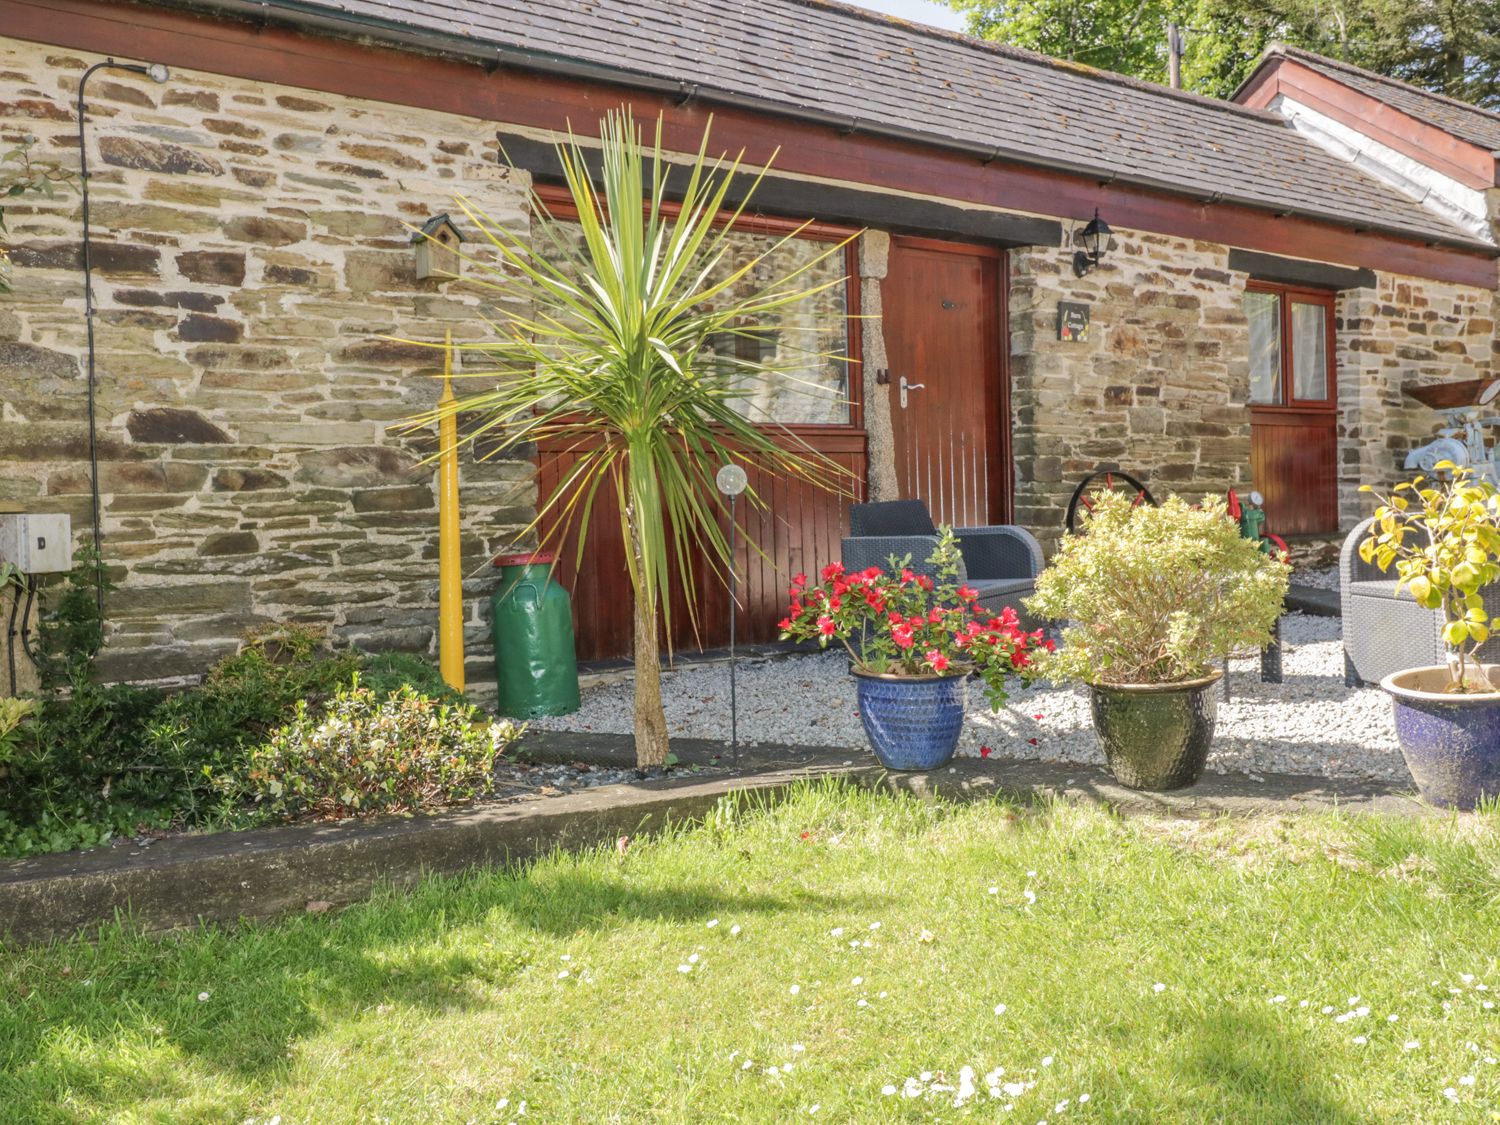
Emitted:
pixel 898 622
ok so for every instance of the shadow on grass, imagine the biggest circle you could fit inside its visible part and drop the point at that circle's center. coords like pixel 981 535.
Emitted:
pixel 1244 1067
pixel 269 985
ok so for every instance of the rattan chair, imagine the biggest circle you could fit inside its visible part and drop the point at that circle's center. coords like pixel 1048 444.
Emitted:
pixel 1000 562
pixel 1384 632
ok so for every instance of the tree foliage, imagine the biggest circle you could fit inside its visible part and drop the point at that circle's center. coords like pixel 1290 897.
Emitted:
pixel 1448 46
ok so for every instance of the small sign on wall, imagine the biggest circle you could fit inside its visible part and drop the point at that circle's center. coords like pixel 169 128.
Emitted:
pixel 1072 321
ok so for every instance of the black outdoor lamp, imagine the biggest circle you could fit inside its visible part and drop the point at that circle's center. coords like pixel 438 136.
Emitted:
pixel 1095 240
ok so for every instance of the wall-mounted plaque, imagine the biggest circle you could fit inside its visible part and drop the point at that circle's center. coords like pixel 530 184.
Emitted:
pixel 1072 321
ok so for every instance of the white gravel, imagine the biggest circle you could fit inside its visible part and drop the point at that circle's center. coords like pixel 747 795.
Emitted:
pixel 1310 724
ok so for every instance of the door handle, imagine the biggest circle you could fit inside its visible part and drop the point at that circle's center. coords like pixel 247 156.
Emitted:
pixel 909 386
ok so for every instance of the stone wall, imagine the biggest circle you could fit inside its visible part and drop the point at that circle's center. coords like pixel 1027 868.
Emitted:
pixel 1161 387
pixel 251 259
pixel 1158 389
pixel 1403 330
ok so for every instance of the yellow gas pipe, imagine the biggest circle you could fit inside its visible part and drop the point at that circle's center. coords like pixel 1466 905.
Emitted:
pixel 450 563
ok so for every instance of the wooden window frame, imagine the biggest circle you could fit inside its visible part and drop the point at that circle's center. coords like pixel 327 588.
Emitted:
pixel 559 203
pixel 1290 403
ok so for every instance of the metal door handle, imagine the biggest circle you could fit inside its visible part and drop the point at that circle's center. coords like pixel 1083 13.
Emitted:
pixel 906 386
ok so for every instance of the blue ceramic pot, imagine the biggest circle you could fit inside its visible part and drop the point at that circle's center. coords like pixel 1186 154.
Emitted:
pixel 1451 743
pixel 912 722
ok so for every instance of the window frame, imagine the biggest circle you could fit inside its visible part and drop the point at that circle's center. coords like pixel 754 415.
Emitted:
pixel 1289 295
pixel 559 203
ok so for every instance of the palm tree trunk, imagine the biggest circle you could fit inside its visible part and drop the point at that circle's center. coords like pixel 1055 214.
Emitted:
pixel 651 745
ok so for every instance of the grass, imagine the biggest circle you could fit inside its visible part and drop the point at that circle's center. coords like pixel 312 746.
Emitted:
pixel 1171 971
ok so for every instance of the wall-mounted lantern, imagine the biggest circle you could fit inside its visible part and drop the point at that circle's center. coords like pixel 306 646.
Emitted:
pixel 436 245
pixel 1094 238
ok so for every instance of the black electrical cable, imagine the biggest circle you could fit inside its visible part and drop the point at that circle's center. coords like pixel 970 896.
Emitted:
pixel 12 634
pixel 157 73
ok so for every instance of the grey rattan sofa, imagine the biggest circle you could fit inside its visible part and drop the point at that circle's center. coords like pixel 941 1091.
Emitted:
pixel 1000 562
pixel 1384 633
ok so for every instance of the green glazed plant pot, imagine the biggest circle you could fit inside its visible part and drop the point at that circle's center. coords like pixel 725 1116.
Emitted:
pixel 1156 736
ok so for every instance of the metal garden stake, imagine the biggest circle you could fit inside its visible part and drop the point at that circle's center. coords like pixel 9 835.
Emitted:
pixel 731 481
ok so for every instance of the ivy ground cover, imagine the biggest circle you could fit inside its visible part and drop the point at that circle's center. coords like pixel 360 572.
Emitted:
pixel 843 957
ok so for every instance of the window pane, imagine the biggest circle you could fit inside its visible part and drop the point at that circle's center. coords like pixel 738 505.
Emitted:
pixel 1309 351
pixel 804 343
pixel 1263 310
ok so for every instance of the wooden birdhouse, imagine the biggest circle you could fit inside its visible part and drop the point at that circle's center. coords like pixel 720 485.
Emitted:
pixel 436 248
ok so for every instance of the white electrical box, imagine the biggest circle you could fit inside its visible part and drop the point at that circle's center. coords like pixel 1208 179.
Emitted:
pixel 36 543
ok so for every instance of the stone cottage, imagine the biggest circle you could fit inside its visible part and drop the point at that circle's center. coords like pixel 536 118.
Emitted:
pixel 1250 321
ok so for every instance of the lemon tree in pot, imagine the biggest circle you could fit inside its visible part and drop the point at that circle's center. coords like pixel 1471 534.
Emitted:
pixel 1443 539
pixel 1152 598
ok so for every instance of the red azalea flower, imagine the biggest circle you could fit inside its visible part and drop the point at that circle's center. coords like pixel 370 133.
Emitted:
pixel 935 617
pixel 967 593
pixel 901 634
pixel 938 661
pixel 825 625
pixel 961 641
pixel 799 581
pixel 985 751
pixel 907 575
pixel 1008 616
pixel 784 624
pixel 832 570
pixel 870 573
pixel 924 582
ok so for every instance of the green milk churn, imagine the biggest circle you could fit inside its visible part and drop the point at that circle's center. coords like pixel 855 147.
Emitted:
pixel 536 666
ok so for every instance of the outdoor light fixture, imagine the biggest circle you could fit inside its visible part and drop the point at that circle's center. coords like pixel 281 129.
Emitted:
pixel 1094 238
pixel 157 73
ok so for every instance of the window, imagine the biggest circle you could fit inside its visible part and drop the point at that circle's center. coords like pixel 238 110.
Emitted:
pixel 808 343
pixel 1289 337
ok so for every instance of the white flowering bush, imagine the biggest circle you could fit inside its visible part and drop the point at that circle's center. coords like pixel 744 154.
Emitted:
pixel 369 753
pixel 1156 595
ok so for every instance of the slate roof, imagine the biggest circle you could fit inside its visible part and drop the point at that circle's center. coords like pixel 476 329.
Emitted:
pixel 816 58
pixel 1459 119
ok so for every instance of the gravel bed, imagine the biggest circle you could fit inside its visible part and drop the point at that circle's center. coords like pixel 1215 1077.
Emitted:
pixel 1324 578
pixel 1310 724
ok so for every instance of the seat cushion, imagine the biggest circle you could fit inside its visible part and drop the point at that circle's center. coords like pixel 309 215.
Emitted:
pixel 993 587
pixel 891 517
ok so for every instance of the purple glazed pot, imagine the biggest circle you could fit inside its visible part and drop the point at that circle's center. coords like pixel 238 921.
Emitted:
pixel 1451 743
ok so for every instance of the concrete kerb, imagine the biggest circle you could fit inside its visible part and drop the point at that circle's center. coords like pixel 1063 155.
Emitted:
pixel 262 873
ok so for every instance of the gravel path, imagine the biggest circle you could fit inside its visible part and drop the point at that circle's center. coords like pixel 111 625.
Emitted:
pixel 1310 724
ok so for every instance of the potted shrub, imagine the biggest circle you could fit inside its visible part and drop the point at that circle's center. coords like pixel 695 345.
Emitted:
pixel 1153 598
pixel 913 641
pixel 1443 537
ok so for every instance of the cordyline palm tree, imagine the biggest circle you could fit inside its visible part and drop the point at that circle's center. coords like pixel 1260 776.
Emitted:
pixel 606 350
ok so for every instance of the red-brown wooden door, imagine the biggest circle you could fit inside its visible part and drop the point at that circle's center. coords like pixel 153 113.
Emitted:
pixel 1293 407
pixel 943 315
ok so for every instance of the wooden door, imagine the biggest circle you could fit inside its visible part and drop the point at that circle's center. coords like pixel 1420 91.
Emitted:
pixel 1293 407
pixel 943 316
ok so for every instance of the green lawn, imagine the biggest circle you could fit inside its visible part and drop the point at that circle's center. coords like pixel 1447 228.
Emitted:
pixel 792 964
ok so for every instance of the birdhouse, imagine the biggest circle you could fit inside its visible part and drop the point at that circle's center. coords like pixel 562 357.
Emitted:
pixel 436 246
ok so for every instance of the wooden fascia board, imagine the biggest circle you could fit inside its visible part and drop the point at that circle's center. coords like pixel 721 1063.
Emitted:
pixel 530 99
pixel 1470 164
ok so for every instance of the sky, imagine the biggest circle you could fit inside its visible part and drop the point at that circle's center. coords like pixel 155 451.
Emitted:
pixel 919 11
